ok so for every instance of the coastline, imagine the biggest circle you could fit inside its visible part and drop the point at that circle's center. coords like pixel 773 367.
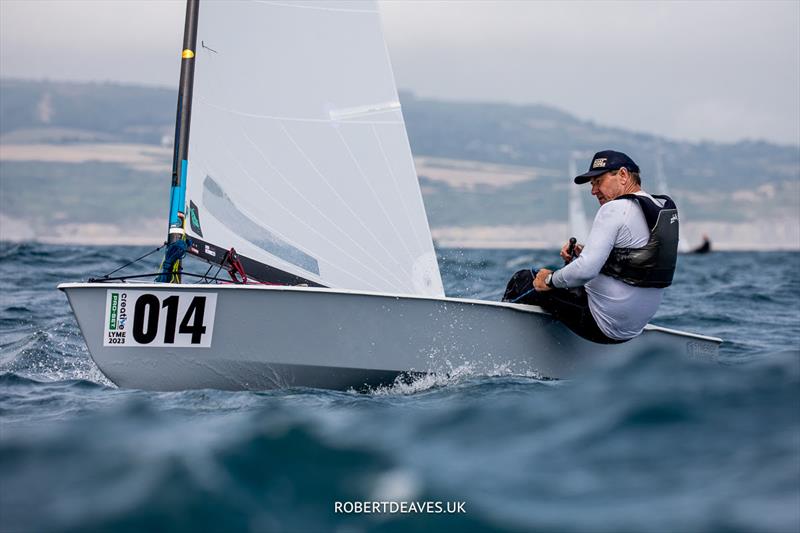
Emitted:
pixel 774 236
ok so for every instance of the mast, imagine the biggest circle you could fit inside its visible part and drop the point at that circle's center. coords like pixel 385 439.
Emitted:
pixel 181 150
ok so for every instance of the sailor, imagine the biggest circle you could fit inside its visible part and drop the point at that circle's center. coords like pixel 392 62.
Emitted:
pixel 612 286
pixel 705 247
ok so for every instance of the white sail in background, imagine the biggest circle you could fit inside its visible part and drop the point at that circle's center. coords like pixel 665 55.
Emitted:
pixel 578 227
pixel 661 187
pixel 298 154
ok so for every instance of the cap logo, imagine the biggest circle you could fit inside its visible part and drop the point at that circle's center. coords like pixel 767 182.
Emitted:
pixel 600 162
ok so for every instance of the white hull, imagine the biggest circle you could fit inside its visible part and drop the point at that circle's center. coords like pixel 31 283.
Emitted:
pixel 267 337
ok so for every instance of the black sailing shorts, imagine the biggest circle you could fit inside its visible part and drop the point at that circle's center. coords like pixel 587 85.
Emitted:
pixel 570 306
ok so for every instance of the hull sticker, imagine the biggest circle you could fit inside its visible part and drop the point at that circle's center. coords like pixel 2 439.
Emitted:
pixel 174 319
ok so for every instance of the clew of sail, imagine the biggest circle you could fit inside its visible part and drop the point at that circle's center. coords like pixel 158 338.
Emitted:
pixel 298 155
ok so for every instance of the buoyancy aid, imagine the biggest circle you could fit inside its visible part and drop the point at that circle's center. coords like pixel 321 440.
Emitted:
pixel 653 265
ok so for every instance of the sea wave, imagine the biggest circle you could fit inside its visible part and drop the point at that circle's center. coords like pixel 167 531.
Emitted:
pixel 653 442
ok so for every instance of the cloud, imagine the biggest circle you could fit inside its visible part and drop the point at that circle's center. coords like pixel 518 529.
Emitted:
pixel 700 70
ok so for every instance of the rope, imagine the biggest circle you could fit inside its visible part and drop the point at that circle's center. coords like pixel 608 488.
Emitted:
pixel 571 251
pixel 171 265
pixel 134 261
pixel 207 271
pixel 523 295
pixel 123 278
pixel 171 270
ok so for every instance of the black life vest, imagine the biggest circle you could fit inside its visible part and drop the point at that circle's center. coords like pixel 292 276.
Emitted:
pixel 653 265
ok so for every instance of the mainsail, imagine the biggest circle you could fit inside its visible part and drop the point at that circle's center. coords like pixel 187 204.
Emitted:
pixel 298 155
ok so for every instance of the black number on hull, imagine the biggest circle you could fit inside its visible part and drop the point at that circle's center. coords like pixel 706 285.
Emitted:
pixel 192 323
pixel 171 304
pixel 146 304
pixel 198 309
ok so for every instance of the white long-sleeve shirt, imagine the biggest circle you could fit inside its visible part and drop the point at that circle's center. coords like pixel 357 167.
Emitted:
pixel 620 310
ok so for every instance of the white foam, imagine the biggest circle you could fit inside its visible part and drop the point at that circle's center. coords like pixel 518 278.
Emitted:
pixel 454 375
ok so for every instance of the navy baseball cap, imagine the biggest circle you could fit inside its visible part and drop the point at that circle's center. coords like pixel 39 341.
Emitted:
pixel 606 161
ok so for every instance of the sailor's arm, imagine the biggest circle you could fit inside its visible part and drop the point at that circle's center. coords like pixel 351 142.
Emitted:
pixel 586 267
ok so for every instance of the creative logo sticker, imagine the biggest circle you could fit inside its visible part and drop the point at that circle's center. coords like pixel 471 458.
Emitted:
pixel 117 318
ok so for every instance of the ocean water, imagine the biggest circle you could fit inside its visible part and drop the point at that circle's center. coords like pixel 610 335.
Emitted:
pixel 653 443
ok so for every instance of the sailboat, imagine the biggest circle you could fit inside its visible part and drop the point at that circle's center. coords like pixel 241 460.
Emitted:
pixel 298 179
pixel 578 226
pixel 661 187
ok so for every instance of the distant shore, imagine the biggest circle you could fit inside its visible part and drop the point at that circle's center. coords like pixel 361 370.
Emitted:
pixel 546 236
pixel 455 192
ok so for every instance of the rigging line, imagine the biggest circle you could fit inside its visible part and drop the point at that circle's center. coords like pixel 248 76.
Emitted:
pixel 135 260
pixel 375 194
pixel 218 271
pixel 321 213
pixel 299 119
pixel 210 266
pixel 137 276
pixel 318 8
pixel 397 187
pixel 336 193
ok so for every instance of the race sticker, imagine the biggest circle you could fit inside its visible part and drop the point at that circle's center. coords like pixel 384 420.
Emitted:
pixel 159 319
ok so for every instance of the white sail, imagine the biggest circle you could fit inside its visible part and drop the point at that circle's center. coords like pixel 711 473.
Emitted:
pixel 298 153
pixel 578 227
pixel 661 187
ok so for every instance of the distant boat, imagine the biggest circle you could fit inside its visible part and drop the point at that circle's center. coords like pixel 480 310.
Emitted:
pixel 300 161
pixel 703 248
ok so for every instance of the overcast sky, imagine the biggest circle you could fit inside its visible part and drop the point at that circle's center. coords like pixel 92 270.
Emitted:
pixel 721 71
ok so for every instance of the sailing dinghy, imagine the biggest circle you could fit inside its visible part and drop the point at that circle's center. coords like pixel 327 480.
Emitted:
pixel 298 179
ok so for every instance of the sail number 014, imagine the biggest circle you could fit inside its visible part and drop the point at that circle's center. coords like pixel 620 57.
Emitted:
pixel 159 319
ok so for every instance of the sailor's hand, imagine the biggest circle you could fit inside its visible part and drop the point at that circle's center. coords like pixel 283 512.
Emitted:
pixel 565 252
pixel 538 282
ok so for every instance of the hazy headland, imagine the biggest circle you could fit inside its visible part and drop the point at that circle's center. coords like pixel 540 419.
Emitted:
pixel 90 163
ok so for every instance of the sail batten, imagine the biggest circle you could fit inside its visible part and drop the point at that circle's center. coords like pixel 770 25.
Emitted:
pixel 300 157
pixel 345 116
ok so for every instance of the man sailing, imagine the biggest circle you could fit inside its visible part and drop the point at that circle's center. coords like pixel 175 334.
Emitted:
pixel 612 286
